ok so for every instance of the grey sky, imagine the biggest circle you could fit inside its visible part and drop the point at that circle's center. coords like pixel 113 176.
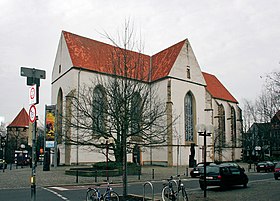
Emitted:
pixel 236 40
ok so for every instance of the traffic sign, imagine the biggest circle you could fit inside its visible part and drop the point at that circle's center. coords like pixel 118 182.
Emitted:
pixel 32 94
pixel 32 113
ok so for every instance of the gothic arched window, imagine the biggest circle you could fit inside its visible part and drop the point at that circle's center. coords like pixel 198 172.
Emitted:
pixel 99 110
pixel 136 113
pixel 59 114
pixel 233 127
pixel 222 126
pixel 189 117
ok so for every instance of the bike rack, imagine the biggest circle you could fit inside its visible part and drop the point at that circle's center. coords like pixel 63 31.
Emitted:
pixel 144 190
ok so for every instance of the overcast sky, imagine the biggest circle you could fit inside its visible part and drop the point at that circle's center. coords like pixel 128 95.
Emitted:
pixel 236 40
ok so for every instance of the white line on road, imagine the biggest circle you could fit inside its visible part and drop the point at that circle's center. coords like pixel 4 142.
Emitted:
pixel 57 194
pixel 59 188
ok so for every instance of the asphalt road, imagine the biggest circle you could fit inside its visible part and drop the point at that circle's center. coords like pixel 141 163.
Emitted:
pixel 261 187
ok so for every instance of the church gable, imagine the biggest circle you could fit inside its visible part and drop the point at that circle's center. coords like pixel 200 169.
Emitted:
pixel 163 61
pixel 186 66
pixel 63 60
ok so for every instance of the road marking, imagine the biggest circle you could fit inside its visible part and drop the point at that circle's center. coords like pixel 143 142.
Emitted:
pixel 57 194
pixel 80 187
pixel 59 188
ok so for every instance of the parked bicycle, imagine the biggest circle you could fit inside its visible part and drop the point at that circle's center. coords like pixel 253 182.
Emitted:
pixel 94 194
pixel 171 193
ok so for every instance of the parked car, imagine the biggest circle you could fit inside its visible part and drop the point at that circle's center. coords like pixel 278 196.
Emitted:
pixel 196 171
pixel 223 176
pixel 277 171
pixel 266 166
pixel 3 164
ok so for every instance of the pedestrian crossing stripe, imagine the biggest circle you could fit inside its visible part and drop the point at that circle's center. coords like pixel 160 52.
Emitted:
pixel 59 188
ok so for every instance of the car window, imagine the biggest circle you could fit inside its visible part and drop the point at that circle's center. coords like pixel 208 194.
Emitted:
pixel 225 171
pixel 234 170
pixel 212 169
pixel 277 165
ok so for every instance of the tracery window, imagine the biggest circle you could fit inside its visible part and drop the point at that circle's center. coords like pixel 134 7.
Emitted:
pixel 136 112
pixel 189 117
pixel 59 114
pixel 222 126
pixel 99 110
pixel 233 127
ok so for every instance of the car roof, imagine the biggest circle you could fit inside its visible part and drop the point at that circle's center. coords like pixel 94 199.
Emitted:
pixel 230 164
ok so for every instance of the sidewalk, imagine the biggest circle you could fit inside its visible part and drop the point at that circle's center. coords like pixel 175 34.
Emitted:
pixel 20 178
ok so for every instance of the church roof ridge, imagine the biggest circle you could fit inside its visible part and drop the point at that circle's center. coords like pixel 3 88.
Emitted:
pixel 97 56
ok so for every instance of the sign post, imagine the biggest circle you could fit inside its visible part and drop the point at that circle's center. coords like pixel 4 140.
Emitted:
pixel 33 79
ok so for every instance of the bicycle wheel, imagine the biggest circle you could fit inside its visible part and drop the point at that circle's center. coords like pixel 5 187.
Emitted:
pixel 92 195
pixel 111 196
pixel 183 196
pixel 167 194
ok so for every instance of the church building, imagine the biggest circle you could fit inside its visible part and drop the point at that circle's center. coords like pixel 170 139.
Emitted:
pixel 192 98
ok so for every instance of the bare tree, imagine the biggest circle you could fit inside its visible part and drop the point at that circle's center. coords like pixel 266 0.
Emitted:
pixel 260 113
pixel 123 105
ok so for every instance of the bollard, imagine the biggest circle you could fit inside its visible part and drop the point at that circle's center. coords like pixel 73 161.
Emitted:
pixel 77 176
pixel 153 173
pixel 95 176
pixel 11 166
pixel 139 173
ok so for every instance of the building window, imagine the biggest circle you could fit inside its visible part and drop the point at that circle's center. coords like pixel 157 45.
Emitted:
pixel 221 126
pixel 99 110
pixel 233 127
pixel 188 72
pixel 59 115
pixel 189 117
pixel 136 113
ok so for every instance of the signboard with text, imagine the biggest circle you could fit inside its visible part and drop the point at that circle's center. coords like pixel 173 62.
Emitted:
pixel 50 123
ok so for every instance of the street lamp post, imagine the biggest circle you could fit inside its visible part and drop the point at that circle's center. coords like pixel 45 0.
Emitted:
pixel 107 143
pixel 204 131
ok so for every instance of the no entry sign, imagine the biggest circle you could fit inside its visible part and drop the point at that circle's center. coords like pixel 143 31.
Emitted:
pixel 32 113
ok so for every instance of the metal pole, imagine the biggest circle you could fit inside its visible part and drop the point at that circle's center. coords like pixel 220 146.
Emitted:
pixel 33 172
pixel 107 150
pixel 204 163
pixel 78 97
pixel 124 168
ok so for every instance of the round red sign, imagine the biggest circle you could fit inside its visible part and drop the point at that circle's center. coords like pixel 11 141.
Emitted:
pixel 32 113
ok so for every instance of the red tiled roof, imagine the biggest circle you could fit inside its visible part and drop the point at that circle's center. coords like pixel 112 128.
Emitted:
pixel 163 61
pixel 217 89
pixel 21 120
pixel 101 57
